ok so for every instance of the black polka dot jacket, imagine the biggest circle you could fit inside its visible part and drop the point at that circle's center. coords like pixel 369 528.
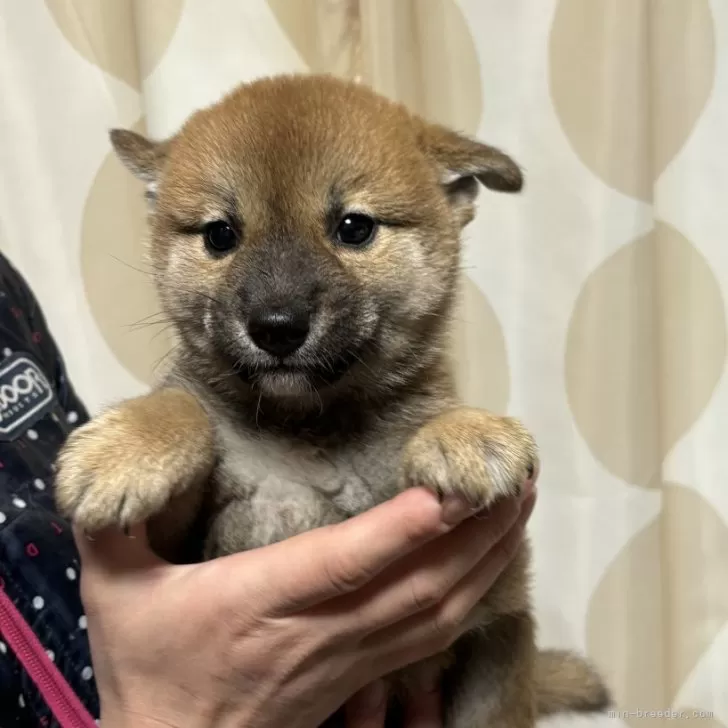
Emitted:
pixel 46 676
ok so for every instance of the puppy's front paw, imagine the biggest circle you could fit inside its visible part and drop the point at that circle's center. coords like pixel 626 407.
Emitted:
pixel 126 465
pixel 471 453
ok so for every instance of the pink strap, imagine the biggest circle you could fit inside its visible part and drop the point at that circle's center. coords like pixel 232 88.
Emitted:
pixel 57 693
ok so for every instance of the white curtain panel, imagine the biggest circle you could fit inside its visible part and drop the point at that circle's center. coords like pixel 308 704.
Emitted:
pixel 593 303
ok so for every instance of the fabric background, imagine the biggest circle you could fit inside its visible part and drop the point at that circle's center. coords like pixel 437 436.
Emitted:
pixel 593 303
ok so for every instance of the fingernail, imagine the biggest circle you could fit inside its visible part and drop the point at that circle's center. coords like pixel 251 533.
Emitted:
pixel 527 506
pixel 456 509
pixel 375 697
pixel 526 491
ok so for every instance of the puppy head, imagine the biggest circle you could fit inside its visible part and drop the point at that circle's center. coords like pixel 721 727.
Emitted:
pixel 305 233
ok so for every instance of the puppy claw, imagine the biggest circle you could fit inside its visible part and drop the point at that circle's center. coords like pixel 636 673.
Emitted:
pixel 471 454
pixel 125 466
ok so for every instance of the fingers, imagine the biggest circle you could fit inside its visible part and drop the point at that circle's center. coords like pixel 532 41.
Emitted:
pixel 423 580
pixel 335 560
pixel 368 708
pixel 459 603
pixel 424 710
pixel 434 629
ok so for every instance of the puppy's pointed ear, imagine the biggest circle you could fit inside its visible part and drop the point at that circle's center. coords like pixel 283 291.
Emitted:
pixel 141 156
pixel 462 161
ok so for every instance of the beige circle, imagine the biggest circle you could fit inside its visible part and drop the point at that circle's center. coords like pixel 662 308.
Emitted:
pixel 645 350
pixel 404 50
pixel 479 352
pixel 661 604
pixel 125 38
pixel 629 81
pixel 116 277
pixel 319 32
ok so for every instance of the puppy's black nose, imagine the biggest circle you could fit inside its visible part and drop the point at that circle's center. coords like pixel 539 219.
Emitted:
pixel 279 331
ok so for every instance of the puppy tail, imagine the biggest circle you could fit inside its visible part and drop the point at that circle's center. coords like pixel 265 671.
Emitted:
pixel 566 682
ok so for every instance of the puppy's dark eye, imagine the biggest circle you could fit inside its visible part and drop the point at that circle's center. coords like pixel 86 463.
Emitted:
pixel 220 237
pixel 355 229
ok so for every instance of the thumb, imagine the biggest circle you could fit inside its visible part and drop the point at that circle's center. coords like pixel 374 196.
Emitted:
pixel 113 552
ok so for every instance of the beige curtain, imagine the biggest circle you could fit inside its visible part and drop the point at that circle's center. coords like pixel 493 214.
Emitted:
pixel 593 303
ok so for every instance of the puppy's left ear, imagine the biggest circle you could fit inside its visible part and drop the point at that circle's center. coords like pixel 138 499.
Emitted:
pixel 464 162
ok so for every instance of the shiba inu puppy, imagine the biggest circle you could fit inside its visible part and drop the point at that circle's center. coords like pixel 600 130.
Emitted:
pixel 305 238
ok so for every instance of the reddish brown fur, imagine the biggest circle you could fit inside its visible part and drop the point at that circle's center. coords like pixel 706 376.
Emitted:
pixel 282 158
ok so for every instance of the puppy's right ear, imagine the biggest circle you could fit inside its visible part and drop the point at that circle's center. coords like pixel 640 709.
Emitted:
pixel 141 156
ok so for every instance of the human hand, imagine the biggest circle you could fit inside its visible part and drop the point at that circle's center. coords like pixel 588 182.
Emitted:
pixel 284 635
